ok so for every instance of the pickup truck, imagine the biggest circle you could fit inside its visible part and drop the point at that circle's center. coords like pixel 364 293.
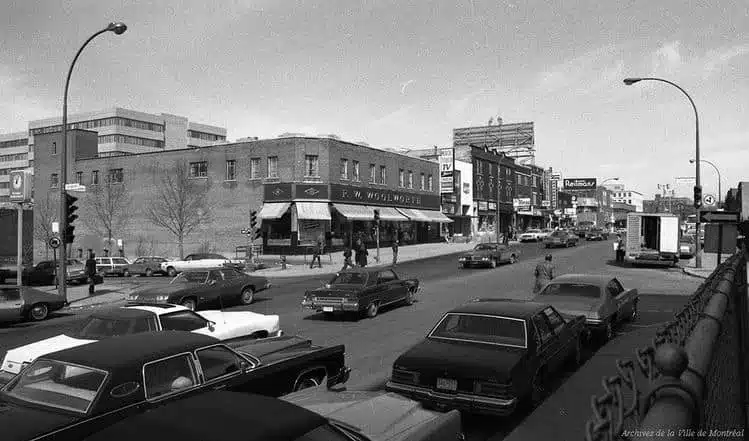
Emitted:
pixel 200 261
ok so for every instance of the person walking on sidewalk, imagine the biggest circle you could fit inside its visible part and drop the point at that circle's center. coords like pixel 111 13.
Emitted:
pixel 395 251
pixel 544 274
pixel 347 258
pixel 362 255
pixel 318 250
pixel 91 271
pixel 619 247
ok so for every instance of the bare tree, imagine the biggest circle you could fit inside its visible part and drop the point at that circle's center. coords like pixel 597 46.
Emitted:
pixel 180 204
pixel 109 208
pixel 45 213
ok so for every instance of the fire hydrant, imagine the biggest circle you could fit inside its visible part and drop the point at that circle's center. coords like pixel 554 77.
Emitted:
pixel 283 262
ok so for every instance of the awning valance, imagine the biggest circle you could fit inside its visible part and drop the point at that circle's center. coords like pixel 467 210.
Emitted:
pixel 414 215
pixel 436 216
pixel 273 210
pixel 355 212
pixel 312 210
pixel 390 214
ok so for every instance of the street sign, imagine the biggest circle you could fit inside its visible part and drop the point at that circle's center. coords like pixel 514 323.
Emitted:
pixel 75 187
pixel 56 227
pixel 708 200
pixel 720 238
pixel 731 217
pixel 54 242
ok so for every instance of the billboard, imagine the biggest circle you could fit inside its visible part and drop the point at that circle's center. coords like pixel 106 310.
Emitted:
pixel 20 186
pixel 447 162
pixel 579 184
pixel 554 193
pixel 522 204
pixel 516 140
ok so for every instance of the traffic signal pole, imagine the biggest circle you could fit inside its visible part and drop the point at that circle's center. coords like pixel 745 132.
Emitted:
pixel 19 267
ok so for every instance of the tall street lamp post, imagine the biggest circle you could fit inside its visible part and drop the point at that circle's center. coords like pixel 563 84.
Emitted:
pixel 612 220
pixel 697 186
pixel 118 28
pixel 720 193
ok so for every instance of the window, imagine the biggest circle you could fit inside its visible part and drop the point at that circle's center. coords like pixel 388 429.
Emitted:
pixel 386 276
pixel 115 176
pixel 372 173
pixel 168 376
pixel 96 328
pixel 79 178
pixel 229 274
pixel 119 261
pixel 344 169
pixel 205 136
pixel 272 166
pixel 254 168
pixel 410 179
pixel 199 169
pixel 311 166
pixel 95 177
pixel 54 148
pixel 555 319
pixel 218 361
pixel 182 321
pixel 231 170
pixel 53 180
pixel 383 175
pixel 133 140
pixel 430 183
pixel 543 331
pixel 355 170
pixel 423 182
pixel 401 178
pixel 481 328
pixel 572 290
pixel 614 288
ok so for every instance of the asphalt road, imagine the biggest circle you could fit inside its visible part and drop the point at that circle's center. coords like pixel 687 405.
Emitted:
pixel 373 344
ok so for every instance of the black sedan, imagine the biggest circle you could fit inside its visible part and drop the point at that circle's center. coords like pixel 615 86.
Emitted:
pixel 45 273
pixel 69 394
pixel 489 254
pixel 488 356
pixel 27 303
pixel 195 289
pixel 596 234
pixel 560 238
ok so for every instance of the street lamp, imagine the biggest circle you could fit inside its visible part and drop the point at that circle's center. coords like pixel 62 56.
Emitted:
pixel 118 28
pixel 631 81
pixel 691 161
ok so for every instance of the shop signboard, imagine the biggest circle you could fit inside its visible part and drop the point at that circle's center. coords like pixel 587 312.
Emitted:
pixel 311 191
pixel 277 192
pixel 546 204
pixel 579 183
pixel 522 204
pixel 447 165
pixel 587 202
pixel 483 206
pixel 492 206
pixel 569 211
pixel 383 197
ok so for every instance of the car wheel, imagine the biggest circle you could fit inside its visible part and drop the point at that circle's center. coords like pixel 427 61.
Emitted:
pixel 149 272
pixel 248 296
pixel 410 297
pixel 493 263
pixel 171 271
pixel 372 310
pixel 39 312
pixel 126 273
pixel 307 382
pixel 190 304
pixel 633 314
pixel 513 259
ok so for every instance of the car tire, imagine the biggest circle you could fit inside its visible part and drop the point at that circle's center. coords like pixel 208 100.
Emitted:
pixel 171 272
pixel 307 381
pixel 247 296
pixel 493 264
pixel 372 310
pixel 149 272
pixel 410 296
pixel 126 273
pixel 513 259
pixel 38 312
pixel 189 303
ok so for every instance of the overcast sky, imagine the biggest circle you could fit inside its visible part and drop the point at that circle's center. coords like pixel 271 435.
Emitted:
pixel 398 73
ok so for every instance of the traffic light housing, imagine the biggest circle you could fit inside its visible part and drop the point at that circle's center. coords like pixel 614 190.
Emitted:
pixel 253 220
pixel 256 234
pixel 69 233
pixel 697 197
pixel 377 215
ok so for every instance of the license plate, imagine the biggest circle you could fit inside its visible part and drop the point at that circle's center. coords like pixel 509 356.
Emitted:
pixel 327 309
pixel 447 384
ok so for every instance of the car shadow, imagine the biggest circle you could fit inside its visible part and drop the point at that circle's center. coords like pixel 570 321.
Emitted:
pixel 613 262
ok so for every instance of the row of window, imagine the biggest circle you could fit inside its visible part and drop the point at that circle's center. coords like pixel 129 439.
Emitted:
pixel 14 143
pixel 205 136
pixel 15 157
pixel 103 122
pixel 425 183
pixel 134 140
pixel 114 175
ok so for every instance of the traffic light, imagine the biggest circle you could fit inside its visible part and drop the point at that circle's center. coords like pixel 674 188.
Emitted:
pixel 377 215
pixel 253 220
pixel 69 233
pixel 697 197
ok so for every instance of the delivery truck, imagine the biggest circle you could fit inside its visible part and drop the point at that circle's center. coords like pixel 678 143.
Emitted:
pixel 652 239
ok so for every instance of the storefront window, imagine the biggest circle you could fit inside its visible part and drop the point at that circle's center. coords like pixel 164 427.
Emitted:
pixel 430 183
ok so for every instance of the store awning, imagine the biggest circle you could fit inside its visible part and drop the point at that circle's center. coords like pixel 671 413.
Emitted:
pixel 312 210
pixel 436 216
pixel 390 214
pixel 414 215
pixel 273 210
pixel 355 212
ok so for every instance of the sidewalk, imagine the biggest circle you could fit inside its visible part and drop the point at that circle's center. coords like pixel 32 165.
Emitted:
pixel 709 263
pixel 113 291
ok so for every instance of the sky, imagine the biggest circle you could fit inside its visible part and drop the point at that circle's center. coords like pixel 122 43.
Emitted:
pixel 403 74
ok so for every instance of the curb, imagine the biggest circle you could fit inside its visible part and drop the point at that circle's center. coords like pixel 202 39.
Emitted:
pixel 689 273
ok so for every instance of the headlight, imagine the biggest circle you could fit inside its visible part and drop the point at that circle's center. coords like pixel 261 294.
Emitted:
pixel 162 298
pixel 132 297
pixel 484 258
pixel 461 259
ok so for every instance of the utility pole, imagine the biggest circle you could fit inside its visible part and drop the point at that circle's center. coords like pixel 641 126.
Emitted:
pixel 19 267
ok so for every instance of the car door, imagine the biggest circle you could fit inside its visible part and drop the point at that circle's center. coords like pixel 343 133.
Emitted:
pixel 223 368
pixel 170 377
pixel 619 298
pixel 230 285
pixel 119 264
pixel 387 286
pixel 547 343
pixel 10 304
pixel 567 338
pixel 185 321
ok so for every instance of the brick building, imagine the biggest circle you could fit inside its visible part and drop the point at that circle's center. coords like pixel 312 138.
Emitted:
pixel 301 187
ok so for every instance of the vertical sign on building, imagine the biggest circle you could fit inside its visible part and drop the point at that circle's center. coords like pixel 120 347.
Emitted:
pixel 447 165
pixel 554 196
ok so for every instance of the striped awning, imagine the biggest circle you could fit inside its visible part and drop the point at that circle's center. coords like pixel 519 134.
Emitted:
pixel 390 214
pixel 273 210
pixel 355 212
pixel 414 214
pixel 312 210
pixel 436 216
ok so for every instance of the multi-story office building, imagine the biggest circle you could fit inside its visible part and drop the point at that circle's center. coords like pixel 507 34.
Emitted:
pixel 629 197
pixel 120 132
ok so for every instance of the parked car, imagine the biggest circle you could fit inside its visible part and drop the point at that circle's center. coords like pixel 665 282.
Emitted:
pixel 561 238
pixel 489 356
pixel 6 274
pixel 221 415
pixel 112 266
pixel 601 299
pixel 45 273
pixel 200 261
pixel 489 254
pixel 544 233
pixel 687 247
pixel 195 289
pixel 530 236
pixel 361 291
pixel 146 266
pixel 133 319
pixel 596 234
pixel 69 394
pixel 580 232
pixel 26 303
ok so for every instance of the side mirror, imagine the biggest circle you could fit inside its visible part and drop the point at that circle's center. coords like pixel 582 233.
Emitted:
pixel 211 326
pixel 244 366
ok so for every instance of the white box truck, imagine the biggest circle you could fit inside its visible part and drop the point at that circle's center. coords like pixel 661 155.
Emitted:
pixel 652 239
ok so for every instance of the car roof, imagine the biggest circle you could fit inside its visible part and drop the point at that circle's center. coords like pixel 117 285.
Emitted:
pixel 135 311
pixel 217 415
pixel 501 307
pixel 593 279
pixel 360 270
pixel 133 349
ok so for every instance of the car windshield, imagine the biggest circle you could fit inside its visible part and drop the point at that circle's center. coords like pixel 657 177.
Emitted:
pixel 572 290
pixel 348 279
pixel 558 233
pixel 503 331
pixel 484 246
pixel 58 384
pixel 533 231
pixel 95 328
pixel 193 276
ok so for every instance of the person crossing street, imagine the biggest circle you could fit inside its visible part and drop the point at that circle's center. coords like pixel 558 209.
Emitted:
pixel 395 251
pixel 318 250
pixel 91 271
pixel 544 274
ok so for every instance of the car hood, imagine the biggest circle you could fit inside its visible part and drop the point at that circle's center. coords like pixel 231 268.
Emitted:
pixel 571 305
pixel 378 415
pixel 478 253
pixel 461 359
pixel 21 423
pixel 14 358
pixel 239 318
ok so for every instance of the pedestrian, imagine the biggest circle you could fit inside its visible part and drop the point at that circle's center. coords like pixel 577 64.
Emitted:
pixel 544 274
pixel 506 239
pixel 620 250
pixel 395 251
pixel 347 258
pixel 357 251
pixel 91 271
pixel 318 250
pixel 363 253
